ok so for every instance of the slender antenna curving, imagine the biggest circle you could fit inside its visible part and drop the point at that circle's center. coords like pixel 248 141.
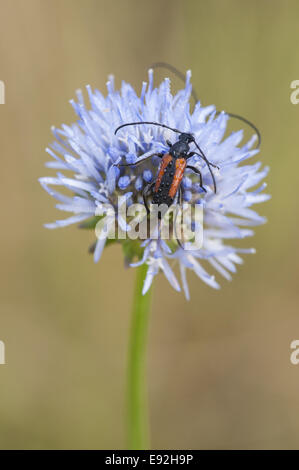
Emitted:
pixel 209 165
pixel 175 71
pixel 181 76
pixel 147 122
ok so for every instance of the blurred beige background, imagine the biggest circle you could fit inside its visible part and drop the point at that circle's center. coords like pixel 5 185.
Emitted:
pixel 219 366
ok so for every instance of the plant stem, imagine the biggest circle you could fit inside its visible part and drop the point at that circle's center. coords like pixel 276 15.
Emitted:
pixel 138 425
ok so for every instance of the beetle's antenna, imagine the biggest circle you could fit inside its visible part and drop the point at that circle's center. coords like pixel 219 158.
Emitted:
pixel 249 123
pixel 209 164
pixel 181 76
pixel 175 71
pixel 147 122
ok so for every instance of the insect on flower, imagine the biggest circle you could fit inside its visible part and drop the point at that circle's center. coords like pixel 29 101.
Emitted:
pixel 168 182
pixel 91 155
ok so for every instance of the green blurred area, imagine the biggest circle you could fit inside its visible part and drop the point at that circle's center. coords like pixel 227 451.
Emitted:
pixel 219 366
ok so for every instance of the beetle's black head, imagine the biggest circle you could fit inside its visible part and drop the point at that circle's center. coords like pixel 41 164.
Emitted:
pixel 187 138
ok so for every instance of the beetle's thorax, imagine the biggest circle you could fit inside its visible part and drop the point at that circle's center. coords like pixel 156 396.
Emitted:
pixel 179 149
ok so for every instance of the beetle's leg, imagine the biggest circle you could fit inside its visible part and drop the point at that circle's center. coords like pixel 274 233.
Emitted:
pixel 200 176
pixel 160 155
pixel 191 154
pixel 209 165
pixel 145 191
pixel 92 247
pixel 180 200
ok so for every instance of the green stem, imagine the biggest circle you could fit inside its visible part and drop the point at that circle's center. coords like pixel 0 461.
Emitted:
pixel 138 426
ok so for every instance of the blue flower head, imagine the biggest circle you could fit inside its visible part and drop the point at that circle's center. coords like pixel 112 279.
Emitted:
pixel 86 154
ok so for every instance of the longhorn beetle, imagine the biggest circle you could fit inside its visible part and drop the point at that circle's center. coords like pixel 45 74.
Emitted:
pixel 172 167
pixel 171 171
pixel 174 162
